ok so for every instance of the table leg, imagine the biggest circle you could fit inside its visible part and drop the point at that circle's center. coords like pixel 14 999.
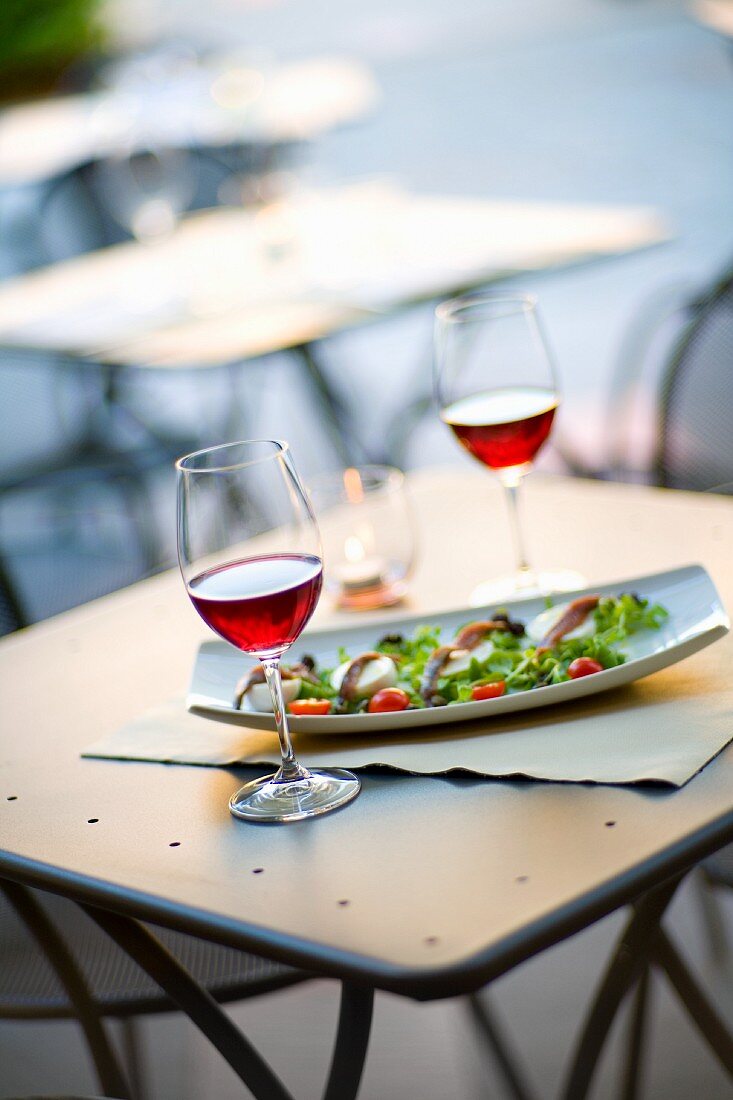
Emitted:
pixel 352 1039
pixel 111 1078
pixel 627 964
pixel 637 1028
pixel 198 1004
pixel 331 406
pixel 132 1045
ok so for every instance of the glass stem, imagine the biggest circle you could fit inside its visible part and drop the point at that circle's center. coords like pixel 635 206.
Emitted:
pixel 289 768
pixel 511 482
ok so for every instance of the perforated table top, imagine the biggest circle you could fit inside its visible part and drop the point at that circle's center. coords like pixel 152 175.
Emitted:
pixel 424 886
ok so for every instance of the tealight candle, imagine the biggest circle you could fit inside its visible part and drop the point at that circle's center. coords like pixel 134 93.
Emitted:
pixel 355 576
pixel 367 536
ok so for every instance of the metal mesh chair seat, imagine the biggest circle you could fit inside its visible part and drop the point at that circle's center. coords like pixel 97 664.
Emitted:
pixel 30 988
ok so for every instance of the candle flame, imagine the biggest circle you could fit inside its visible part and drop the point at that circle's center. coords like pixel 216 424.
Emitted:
pixel 353 486
pixel 353 549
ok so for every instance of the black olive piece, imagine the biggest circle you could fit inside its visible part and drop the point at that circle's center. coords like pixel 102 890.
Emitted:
pixel 391 639
pixel 500 617
pixel 515 628
pixel 308 662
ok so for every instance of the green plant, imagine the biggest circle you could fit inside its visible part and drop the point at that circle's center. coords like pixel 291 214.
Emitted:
pixel 38 38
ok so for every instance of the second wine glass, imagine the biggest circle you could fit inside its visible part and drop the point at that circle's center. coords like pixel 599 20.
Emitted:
pixel 498 392
pixel 250 557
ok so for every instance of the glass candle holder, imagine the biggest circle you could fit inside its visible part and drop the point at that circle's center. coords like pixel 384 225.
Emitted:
pixel 368 535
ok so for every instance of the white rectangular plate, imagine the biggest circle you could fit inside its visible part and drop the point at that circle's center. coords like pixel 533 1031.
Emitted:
pixel 696 619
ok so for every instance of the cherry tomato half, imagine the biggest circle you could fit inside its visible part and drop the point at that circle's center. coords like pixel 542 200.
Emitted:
pixel 583 666
pixel 388 699
pixel 310 706
pixel 488 691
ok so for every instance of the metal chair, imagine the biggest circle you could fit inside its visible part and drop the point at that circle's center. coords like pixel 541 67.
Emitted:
pixel 75 476
pixel 693 451
pixel 56 963
pixel 679 348
pixel 695 442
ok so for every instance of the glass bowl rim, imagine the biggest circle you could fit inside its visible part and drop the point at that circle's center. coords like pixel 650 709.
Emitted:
pixel 187 465
pixel 459 310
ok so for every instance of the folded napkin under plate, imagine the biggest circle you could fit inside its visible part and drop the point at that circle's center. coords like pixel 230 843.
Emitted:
pixel 662 729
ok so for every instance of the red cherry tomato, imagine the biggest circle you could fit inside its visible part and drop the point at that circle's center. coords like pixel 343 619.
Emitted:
pixel 488 691
pixel 583 666
pixel 310 706
pixel 388 699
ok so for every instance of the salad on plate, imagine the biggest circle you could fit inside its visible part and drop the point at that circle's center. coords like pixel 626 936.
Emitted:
pixel 486 659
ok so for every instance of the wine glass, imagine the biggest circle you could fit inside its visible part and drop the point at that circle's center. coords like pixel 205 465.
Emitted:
pixel 250 557
pixel 497 390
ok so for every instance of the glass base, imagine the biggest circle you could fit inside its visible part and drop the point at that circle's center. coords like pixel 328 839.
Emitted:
pixel 512 587
pixel 295 799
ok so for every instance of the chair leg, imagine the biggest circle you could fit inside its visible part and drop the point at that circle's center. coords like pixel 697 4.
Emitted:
pixel 505 1058
pixel 198 1004
pixel 700 1009
pixel 43 930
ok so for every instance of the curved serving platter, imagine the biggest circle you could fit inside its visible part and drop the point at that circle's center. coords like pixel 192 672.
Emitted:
pixel 696 619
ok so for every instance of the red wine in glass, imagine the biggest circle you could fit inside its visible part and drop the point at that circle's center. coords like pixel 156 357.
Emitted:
pixel 504 427
pixel 228 496
pixel 259 604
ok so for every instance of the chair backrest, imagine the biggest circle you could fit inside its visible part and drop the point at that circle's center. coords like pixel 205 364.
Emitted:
pixel 45 403
pixel 695 448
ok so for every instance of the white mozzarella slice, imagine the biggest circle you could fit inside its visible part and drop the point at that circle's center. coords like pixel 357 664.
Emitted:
pixel 461 659
pixel 544 622
pixel 378 673
pixel 258 697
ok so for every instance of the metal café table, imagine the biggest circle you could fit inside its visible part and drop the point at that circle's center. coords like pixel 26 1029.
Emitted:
pixel 425 887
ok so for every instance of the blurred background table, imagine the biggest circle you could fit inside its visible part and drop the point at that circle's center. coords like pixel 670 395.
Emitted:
pixel 222 100
pixel 228 285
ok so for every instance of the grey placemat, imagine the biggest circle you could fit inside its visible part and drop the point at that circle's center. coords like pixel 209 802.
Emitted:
pixel 663 729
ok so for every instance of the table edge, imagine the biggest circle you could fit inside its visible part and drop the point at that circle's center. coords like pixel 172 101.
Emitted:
pixel 420 983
